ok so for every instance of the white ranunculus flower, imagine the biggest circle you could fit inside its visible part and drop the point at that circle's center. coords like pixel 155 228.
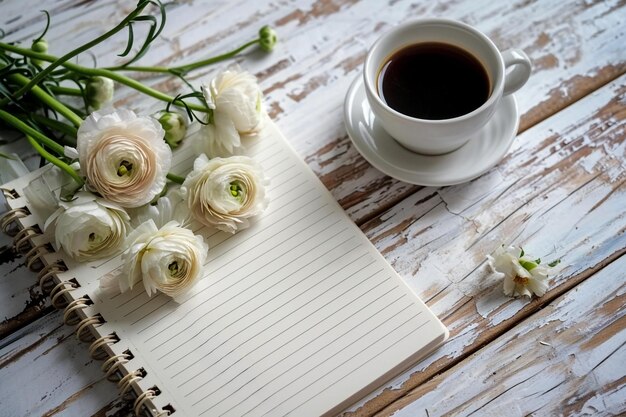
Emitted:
pixel 168 259
pixel 225 192
pixel 235 98
pixel 522 275
pixel 165 209
pixel 123 156
pixel 89 228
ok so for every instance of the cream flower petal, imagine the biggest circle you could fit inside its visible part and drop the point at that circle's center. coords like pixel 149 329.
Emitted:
pixel 522 276
pixel 89 228
pixel 167 259
pixel 235 98
pixel 123 156
pixel 225 192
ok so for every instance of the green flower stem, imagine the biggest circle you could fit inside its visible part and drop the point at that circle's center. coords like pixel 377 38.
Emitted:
pixel 65 91
pixel 28 130
pixel 61 61
pixel 48 99
pixel 103 73
pixel 183 69
pixel 56 125
pixel 175 178
pixel 55 161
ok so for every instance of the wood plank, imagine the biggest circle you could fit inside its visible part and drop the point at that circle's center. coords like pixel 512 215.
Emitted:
pixel 560 194
pixel 308 55
pixel 305 80
pixel 45 371
pixel 568 359
pixel 580 219
pixel 323 46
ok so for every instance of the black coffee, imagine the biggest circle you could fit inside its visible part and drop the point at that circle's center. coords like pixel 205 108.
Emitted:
pixel 433 80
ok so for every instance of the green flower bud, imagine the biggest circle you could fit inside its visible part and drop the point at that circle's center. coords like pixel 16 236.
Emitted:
pixel 40 46
pixel 99 91
pixel 268 38
pixel 175 126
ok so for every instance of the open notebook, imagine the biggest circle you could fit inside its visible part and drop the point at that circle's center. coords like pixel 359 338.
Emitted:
pixel 299 315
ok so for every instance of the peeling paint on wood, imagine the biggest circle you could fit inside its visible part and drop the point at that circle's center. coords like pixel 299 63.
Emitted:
pixel 560 190
pixel 576 373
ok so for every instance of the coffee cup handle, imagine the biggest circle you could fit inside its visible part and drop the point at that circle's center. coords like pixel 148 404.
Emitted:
pixel 518 61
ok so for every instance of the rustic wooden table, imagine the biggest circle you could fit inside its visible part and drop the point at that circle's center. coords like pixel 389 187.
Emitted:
pixel 559 192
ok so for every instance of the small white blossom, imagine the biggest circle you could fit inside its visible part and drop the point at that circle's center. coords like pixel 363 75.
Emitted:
pixel 123 156
pixel 225 192
pixel 234 96
pixel 522 275
pixel 169 259
pixel 89 228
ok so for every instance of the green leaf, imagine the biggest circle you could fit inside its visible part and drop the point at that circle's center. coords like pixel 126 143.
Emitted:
pixel 522 253
pixel 180 98
pixel 131 39
pixel 155 30
pixel 46 28
pixel 554 263
pixel 528 265
pixel 538 261
pixel 6 156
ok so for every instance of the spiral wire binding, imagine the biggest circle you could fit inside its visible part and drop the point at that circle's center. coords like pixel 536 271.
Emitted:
pixel 142 398
pixel 125 383
pixel 9 194
pixel 111 365
pixel 83 325
pixel 10 217
pixel 23 237
pixel 57 295
pixel 62 299
pixel 47 274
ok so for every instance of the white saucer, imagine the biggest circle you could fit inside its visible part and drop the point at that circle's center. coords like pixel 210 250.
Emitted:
pixel 384 153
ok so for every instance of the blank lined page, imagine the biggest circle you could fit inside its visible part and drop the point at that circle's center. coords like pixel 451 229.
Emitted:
pixel 294 316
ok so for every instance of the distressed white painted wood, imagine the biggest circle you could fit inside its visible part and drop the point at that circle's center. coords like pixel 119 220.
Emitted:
pixel 559 192
pixel 553 195
pixel 568 359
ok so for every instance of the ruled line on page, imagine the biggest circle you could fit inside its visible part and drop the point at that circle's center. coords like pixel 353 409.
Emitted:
pixel 249 274
pixel 246 301
pixel 167 301
pixel 308 359
pixel 299 335
pixel 208 274
pixel 342 363
pixel 215 259
pixel 298 295
pixel 149 299
pixel 216 294
pixel 360 366
pixel 198 333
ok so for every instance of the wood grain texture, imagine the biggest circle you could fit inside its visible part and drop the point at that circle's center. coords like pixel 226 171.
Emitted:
pixel 45 371
pixel 568 359
pixel 561 177
pixel 559 192
pixel 323 46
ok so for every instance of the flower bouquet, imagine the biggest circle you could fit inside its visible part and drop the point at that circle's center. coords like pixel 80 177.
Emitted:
pixel 120 194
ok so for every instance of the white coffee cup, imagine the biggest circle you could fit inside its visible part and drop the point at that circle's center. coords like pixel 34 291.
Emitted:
pixel 434 137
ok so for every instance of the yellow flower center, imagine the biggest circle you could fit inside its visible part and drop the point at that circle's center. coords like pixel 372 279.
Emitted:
pixel 520 280
pixel 124 168
pixel 236 189
pixel 173 267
